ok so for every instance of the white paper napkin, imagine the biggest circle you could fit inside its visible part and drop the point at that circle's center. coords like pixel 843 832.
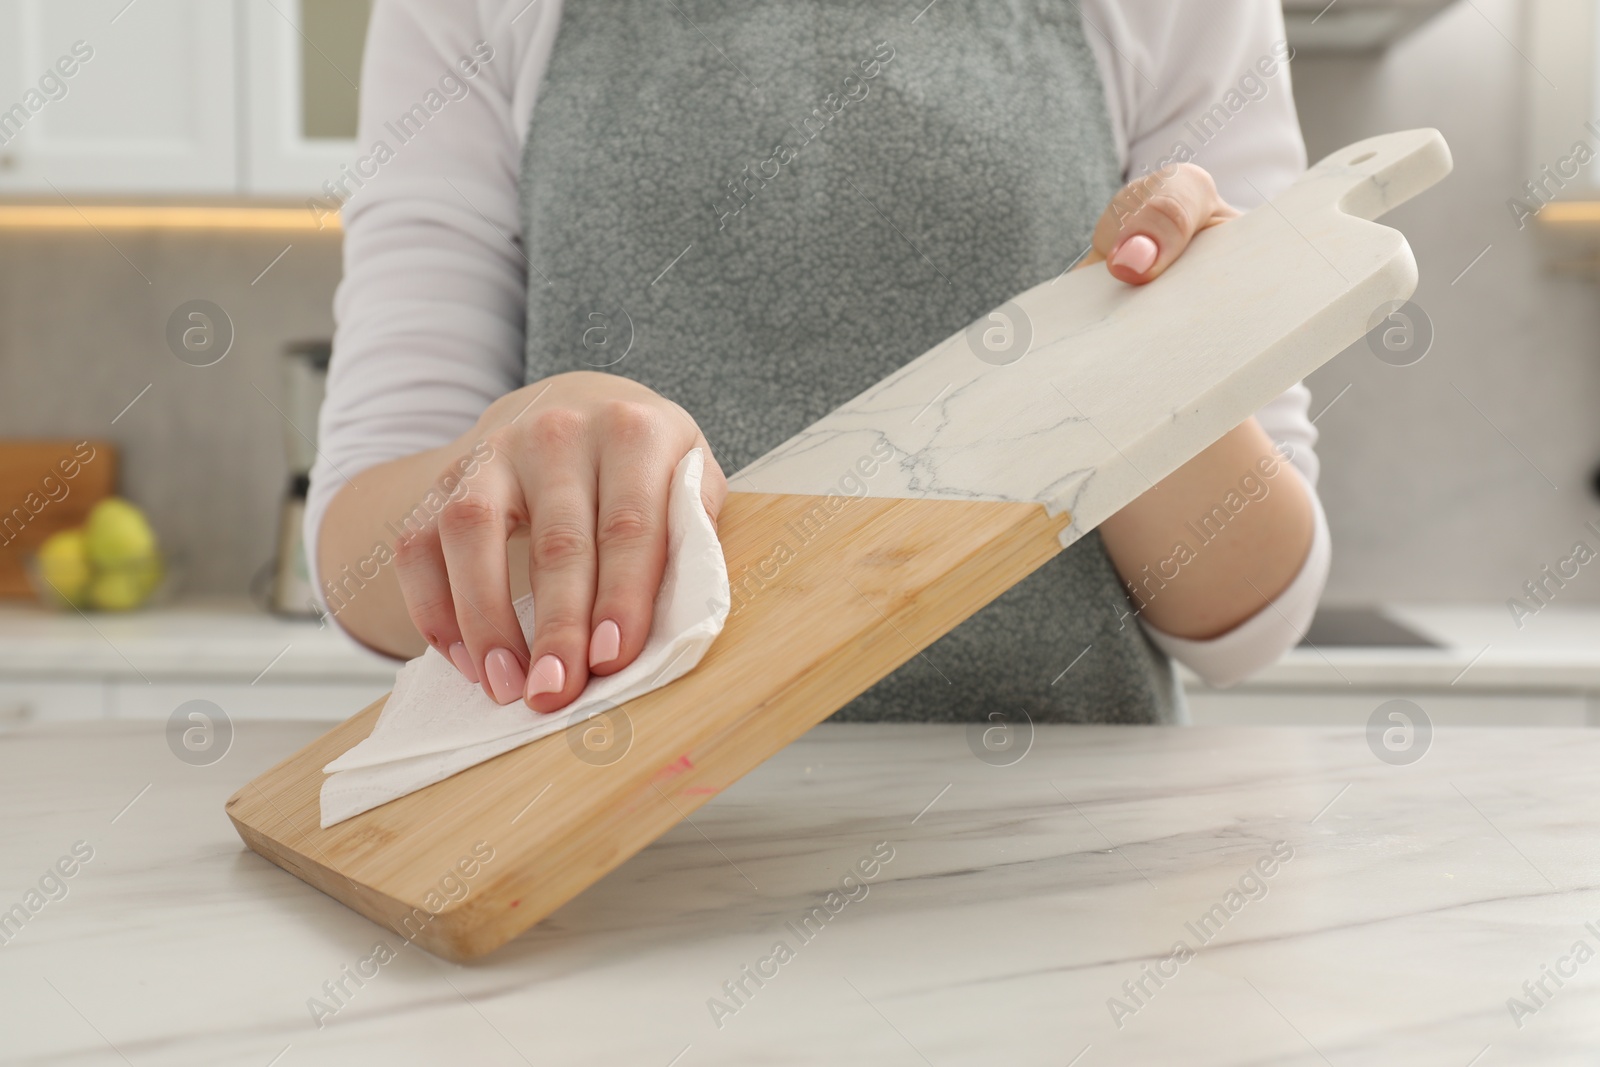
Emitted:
pixel 436 723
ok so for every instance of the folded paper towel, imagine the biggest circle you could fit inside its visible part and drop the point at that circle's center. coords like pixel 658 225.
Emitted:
pixel 436 723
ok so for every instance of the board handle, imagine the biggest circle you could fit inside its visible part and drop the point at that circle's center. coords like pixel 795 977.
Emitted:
pixel 1370 177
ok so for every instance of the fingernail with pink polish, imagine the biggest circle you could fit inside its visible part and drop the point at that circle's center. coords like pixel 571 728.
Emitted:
pixel 547 676
pixel 606 644
pixel 463 662
pixel 1137 253
pixel 504 674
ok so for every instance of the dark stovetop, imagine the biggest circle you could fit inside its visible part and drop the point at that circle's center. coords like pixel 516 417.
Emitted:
pixel 1363 627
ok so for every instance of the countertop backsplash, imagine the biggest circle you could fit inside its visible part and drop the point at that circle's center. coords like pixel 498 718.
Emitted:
pixel 83 323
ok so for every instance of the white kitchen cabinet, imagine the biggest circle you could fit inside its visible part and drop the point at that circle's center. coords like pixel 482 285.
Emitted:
pixel 1354 25
pixel 174 97
pixel 107 96
pixel 1557 195
pixel 1259 706
pixel 1562 94
pixel 304 66
pixel 330 701
pixel 50 700
pixel 145 664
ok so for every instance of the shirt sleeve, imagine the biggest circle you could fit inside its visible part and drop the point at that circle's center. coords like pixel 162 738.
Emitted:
pixel 430 312
pixel 1209 83
pixel 1259 640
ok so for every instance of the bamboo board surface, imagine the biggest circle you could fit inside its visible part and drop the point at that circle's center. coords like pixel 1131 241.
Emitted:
pixel 878 581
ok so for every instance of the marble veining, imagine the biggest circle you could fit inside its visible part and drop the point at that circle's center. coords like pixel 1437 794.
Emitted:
pixel 1082 392
pixel 1017 908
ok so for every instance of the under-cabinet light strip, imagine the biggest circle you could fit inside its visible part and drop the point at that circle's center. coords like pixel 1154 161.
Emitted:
pixel 162 217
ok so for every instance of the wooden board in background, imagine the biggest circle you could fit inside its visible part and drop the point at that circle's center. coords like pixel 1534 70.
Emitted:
pixel 24 468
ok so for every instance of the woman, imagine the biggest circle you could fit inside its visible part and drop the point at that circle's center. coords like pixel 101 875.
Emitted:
pixel 595 234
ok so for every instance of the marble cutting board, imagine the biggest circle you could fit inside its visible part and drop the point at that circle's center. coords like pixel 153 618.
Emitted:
pixel 1081 391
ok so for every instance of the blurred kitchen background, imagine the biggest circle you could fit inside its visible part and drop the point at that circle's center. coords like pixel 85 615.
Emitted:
pixel 178 166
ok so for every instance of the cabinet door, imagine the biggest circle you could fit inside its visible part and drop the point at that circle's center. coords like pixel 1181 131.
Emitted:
pixel 331 701
pixel 304 73
pixel 1259 706
pixel 23 701
pixel 110 96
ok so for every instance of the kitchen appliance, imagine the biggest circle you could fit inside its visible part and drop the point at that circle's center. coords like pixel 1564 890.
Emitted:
pixel 305 372
pixel 1361 627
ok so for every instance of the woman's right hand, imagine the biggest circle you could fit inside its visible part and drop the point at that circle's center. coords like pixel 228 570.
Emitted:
pixel 583 462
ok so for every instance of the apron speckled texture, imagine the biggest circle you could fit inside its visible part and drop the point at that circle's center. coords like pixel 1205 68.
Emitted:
pixel 760 209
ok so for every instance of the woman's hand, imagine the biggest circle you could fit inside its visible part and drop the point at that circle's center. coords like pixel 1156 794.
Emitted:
pixel 583 462
pixel 1152 219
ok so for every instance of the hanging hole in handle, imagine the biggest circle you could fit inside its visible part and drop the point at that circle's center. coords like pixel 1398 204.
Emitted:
pixel 1362 158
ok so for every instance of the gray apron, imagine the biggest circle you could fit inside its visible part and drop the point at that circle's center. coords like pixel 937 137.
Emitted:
pixel 760 209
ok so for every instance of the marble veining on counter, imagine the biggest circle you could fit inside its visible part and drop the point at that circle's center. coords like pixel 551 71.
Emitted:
pixel 933 907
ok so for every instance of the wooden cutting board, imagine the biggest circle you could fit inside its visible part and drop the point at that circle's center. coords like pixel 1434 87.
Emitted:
pixel 46 486
pixel 1004 454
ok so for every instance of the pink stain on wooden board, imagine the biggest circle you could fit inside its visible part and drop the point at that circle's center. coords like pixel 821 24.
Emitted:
pixel 672 770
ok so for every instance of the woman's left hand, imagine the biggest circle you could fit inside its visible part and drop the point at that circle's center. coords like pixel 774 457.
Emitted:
pixel 1152 219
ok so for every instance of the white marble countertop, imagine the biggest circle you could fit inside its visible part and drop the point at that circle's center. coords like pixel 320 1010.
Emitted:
pixel 1019 900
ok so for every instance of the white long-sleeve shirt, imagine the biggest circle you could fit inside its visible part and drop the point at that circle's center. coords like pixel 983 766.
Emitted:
pixel 430 311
